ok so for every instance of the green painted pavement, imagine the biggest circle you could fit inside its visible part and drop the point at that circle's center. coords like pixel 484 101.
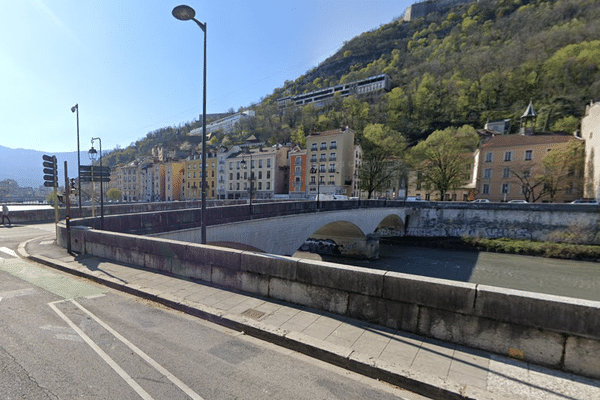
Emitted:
pixel 60 285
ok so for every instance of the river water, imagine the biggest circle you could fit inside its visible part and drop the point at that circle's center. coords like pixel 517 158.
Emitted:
pixel 571 278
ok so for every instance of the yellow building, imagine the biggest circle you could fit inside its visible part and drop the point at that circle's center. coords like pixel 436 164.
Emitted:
pixel 192 181
pixel 173 177
pixel 330 162
pixel 508 166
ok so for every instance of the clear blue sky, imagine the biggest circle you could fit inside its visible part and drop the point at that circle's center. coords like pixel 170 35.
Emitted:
pixel 133 68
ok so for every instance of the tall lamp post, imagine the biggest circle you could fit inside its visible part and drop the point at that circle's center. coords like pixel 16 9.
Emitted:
pixel 243 162
pixel 92 154
pixel 75 109
pixel 185 13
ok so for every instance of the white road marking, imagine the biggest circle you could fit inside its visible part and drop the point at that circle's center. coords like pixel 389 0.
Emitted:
pixel 9 252
pixel 187 390
pixel 47 242
pixel 143 355
pixel 134 385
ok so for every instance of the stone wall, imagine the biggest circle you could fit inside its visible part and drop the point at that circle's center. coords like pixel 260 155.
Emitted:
pixel 554 331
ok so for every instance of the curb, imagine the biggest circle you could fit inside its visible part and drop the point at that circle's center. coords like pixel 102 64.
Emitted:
pixel 435 388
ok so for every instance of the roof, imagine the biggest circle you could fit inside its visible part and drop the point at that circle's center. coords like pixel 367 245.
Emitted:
pixel 521 140
pixel 530 112
pixel 330 133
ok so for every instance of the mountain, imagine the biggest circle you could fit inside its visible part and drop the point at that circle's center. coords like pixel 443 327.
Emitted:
pixel 25 166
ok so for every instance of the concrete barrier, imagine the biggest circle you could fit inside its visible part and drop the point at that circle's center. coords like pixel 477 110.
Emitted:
pixel 559 332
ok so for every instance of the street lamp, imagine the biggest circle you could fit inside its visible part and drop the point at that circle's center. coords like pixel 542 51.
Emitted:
pixel 243 162
pixel 315 170
pixel 186 13
pixel 75 108
pixel 92 153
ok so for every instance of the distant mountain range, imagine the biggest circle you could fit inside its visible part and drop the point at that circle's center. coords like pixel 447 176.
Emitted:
pixel 25 166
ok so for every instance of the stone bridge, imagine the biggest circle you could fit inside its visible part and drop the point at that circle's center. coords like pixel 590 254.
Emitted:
pixel 344 232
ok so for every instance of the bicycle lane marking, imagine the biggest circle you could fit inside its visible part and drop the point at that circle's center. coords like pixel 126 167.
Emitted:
pixel 177 382
pixel 124 375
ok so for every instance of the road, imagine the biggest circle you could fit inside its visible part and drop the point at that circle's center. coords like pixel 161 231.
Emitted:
pixel 63 337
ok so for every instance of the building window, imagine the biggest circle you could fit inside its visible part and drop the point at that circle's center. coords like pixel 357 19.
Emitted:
pixel 506 173
pixel 488 157
pixel 486 189
pixel 323 157
pixel 268 163
pixel 313 158
pixel 314 147
pixel 331 168
pixel 260 163
pixel 332 157
pixel 508 156
pixel 487 173
pixel 269 174
pixel 268 186
pixel 528 154
pixel 323 146
pixel 333 144
pixel 298 161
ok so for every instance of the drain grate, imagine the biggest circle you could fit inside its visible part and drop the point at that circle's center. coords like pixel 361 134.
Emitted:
pixel 252 313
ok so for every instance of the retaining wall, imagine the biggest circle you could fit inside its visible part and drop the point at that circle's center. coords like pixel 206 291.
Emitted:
pixel 554 331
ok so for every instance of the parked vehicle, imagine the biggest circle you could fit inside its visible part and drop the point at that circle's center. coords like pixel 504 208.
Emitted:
pixel 519 202
pixel 414 198
pixel 480 201
pixel 585 201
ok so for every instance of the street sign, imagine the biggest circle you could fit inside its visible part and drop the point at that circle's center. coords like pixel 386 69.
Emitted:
pixel 84 168
pixel 96 179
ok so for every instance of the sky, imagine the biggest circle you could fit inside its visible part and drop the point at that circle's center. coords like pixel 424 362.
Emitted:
pixel 133 68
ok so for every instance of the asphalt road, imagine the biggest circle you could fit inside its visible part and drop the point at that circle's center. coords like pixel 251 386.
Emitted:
pixel 63 337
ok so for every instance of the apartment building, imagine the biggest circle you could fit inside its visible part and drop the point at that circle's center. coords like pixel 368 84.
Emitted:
pixel 225 124
pixel 297 172
pixel 192 181
pixel 330 162
pixel 507 162
pixel 259 172
pixel 173 179
pixel 590 132
pixel 127 179
pixel 222 174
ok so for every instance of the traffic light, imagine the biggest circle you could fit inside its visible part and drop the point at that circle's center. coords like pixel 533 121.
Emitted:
pixel 72 184
pixel 50 171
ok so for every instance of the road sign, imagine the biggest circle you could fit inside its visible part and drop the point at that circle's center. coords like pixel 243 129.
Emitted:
pixel 96 179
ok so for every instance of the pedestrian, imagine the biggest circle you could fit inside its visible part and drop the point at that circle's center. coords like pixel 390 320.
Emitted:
pixel 5 214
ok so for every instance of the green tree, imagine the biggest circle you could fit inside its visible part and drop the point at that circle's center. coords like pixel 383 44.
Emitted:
pixel 442 158
pixel 114 194
pixel 564 169
pixel 383 149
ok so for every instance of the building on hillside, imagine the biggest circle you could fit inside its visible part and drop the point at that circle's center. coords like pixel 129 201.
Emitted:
pixel 297 173
pixel 225 124
pixel 330 162
pixel 260 173
pixel 511 164
pixel 590 132
pixel 320 97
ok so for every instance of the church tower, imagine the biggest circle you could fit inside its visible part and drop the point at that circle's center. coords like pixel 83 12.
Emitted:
pixel 528 121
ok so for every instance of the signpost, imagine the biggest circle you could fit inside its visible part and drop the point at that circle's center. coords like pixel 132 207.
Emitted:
pixel 51 179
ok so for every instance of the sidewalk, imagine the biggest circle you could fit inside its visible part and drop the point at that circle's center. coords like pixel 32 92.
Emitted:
pixel 425 366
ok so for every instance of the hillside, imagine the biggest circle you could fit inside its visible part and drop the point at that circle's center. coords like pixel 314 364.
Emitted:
pixel 466 64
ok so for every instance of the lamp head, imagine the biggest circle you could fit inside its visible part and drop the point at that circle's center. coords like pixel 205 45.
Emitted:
pixel 92 153
pixel 183 13
pixel 75 108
